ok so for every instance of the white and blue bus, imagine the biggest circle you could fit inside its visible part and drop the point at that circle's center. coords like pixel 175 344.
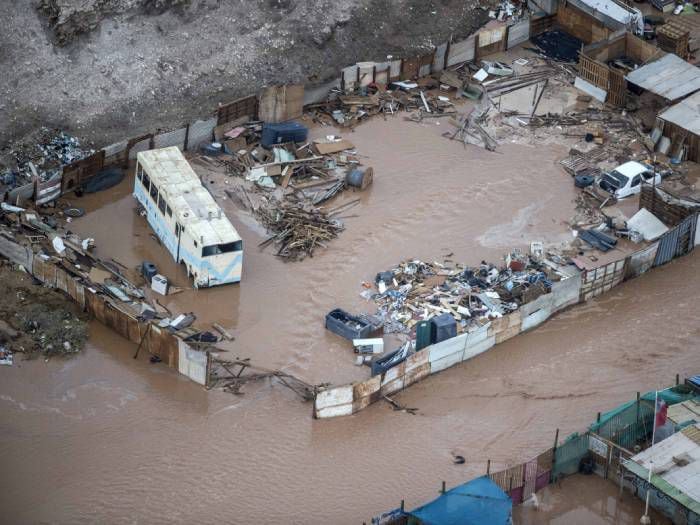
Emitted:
pixel 186 218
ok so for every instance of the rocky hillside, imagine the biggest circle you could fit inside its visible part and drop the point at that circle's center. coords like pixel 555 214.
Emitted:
pixel 109 69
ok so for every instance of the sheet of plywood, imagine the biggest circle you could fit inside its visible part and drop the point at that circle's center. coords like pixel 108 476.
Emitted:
pixel 328 148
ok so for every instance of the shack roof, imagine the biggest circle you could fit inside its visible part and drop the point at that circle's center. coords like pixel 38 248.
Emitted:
pixel 685 114
pixel 475 502
pixel 675 466
pixel 685 411
pixel 670 77
pixel 612 14
pixel 192 204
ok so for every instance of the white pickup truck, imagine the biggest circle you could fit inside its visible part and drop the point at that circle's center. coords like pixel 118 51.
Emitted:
pixel 627 179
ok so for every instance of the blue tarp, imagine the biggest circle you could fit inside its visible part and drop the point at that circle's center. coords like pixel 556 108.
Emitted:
pixel 476 502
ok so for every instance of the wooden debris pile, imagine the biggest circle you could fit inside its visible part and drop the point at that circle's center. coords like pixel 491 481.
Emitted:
pixel 298 228
pixel 232 375
pixel 350 110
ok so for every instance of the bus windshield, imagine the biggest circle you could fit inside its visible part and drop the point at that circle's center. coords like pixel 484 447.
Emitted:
pixel 218 249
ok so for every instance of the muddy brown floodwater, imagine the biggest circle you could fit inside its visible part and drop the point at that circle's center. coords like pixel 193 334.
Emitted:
pixel 106 438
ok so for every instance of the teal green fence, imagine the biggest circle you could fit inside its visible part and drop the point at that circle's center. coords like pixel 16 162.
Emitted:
pixel 568 455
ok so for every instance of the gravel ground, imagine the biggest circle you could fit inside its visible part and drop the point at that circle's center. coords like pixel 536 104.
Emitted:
pixel 105 70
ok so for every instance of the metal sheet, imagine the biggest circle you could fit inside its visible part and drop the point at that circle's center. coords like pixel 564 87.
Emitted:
pixel 475 348
pixel 566 292
pixel 445 348
pixel 463 51
pixel 16 253
pixel 171 138
pixel 439 58
pixel 334 411
pixel 589 89
pixel 446 361
pixel 676 242
pixel 192 363
pixel 518 33
pixel 349 76
pixel 670 77
pixel 331 397
pixel 685 114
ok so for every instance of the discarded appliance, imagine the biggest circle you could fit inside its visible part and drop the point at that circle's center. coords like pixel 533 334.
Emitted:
pixel 360 177
pixel 368 346
pixel 148 270
pixel 187 220
pixel 442 327
pixel 347 325
pixel 159 284
pixel 283 132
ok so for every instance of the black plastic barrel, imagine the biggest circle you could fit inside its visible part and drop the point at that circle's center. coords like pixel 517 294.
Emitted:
pixel 148 269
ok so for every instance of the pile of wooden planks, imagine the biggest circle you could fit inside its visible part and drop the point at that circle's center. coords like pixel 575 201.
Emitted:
pixel 297 228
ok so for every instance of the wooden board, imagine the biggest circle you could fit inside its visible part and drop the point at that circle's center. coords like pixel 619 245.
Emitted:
pixel 328 148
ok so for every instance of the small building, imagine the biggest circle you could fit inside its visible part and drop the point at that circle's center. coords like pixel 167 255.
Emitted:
pixel 595 20
pixel 603 66
pixel 680 124
pixel 670 77
pixel 675 475
pixel 479 501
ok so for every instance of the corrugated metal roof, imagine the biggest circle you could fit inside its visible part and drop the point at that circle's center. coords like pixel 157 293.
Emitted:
pixel 613 14
pixel 670 77
pixel 685 114
pixel 685 411
pixel 192 204
pixel 679 479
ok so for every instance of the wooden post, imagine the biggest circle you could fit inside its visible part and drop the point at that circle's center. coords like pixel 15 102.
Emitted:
pixel 374 73
pixel 598 418
pixel 447 55
pixel 638 399
pixel 402 505
pixel 442 491
pixel 187 136
pixel 678 379
pixel 554 455
pixel 488 467
pixel 510 486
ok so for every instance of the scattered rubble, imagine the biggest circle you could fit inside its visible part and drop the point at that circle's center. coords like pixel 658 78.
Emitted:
pixel 36 320
pixel 416 291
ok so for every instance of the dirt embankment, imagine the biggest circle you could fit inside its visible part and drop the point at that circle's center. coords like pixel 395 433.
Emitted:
pixel 109 69
pixel 35 319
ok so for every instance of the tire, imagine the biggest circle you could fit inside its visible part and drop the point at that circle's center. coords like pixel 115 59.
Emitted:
pixel 583 181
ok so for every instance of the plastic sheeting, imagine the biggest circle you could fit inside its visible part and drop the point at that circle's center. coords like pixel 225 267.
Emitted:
pixel 476 502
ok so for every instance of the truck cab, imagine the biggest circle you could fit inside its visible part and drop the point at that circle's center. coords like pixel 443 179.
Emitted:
pixel 627 179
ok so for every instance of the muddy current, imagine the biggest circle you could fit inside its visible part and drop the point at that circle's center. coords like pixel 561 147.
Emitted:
pixel 107 438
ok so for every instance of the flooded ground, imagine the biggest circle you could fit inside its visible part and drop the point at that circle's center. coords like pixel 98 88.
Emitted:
pixel 584 500
pixel 430 197
pixel 106 438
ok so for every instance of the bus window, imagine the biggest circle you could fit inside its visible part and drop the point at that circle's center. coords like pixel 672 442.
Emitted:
pixel 168 211
pixel 154 193
pixel 161 204
pixel 146 182
pixel 218 249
